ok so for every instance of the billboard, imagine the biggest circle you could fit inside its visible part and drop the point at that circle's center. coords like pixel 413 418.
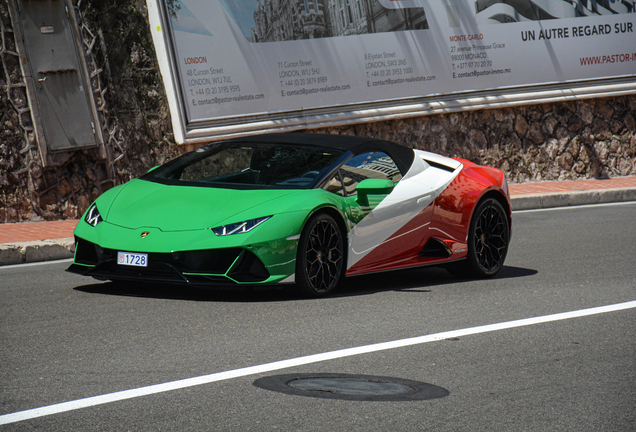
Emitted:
pixel 236 67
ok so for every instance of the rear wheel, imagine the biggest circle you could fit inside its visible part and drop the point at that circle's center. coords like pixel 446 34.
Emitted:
pixel 488 239
pixel 320 259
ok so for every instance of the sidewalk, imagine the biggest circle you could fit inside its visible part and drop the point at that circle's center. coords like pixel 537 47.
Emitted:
pixel 528 196
pixel 45 241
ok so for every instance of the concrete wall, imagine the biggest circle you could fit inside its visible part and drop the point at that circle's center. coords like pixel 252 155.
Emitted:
pixel 582 139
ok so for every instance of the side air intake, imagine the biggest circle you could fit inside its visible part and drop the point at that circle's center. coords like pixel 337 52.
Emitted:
pixel 434 249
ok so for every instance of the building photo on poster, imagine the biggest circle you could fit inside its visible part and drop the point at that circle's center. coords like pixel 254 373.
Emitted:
pixel 236 67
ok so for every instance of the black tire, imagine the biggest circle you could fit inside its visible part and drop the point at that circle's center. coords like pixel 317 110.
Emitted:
pixel 488 239
pixel 320 258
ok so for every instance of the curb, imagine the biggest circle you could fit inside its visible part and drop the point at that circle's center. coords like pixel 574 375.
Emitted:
pixel 36 251
pixel 567 199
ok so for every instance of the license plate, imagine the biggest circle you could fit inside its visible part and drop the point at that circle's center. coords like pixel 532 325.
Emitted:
pixel 132 259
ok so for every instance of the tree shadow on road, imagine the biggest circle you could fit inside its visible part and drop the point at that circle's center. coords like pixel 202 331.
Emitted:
pixel 411 280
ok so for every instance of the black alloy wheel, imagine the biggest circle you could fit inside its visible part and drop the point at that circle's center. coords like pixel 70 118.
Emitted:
pixel 320 259
pixel 488 239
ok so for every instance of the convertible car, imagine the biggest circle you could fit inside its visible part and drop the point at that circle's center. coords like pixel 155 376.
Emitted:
pixel 307 209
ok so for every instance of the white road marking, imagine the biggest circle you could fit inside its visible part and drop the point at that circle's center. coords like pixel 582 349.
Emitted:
pixel 575 207
pixel 36 264
pixel 284 364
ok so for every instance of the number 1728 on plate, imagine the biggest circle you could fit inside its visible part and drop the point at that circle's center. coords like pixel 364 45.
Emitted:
pixel 132 259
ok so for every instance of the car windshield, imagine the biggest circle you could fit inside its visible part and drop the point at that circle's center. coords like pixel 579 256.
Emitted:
pixel 245 165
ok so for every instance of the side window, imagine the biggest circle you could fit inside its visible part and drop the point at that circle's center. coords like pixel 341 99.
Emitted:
pixel 376 165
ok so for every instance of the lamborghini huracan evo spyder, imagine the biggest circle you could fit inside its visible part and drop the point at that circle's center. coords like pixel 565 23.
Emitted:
pixel 307 209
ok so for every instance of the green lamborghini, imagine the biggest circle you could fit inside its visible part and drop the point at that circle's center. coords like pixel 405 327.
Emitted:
pixel 304 209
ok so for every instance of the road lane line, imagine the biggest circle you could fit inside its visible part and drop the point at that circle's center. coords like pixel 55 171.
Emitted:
pixel 611 204
pixel 40 263
pixel 299 361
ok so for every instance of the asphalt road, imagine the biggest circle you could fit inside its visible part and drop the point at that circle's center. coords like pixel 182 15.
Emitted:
pixel 65 338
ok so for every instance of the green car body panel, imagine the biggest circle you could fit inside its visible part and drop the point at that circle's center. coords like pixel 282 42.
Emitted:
pixel 139 206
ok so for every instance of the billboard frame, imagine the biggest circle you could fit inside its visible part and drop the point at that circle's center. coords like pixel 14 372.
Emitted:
pixel 203 131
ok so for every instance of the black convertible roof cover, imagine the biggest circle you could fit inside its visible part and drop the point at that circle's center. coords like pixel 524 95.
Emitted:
pixel 403 156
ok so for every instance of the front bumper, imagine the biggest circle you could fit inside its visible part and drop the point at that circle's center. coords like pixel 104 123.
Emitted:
pixel 227 266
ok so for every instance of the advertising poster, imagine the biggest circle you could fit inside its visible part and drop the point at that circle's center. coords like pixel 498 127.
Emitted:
pixel 234 60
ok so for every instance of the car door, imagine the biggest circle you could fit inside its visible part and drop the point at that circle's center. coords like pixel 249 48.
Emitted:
pixel 395 224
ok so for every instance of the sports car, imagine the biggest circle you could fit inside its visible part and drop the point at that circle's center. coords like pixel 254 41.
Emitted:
pixel 303 209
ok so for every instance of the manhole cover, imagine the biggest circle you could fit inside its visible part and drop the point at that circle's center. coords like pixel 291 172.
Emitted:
pixel 351 387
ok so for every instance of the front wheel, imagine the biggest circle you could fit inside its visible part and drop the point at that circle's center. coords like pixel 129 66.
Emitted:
pixel 320 258
pixel 488 239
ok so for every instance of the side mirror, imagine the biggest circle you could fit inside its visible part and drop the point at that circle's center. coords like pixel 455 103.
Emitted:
pixel 373 187
pixel 154 168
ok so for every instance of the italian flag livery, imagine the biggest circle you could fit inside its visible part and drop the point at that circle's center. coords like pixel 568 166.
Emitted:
pixel 307 209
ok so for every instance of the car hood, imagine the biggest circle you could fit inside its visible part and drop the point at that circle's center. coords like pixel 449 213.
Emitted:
pixel 142 203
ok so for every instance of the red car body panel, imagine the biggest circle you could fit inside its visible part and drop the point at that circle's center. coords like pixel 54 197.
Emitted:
pixel 446 219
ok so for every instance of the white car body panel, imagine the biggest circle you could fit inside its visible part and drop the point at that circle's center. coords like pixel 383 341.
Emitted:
pixel 416 191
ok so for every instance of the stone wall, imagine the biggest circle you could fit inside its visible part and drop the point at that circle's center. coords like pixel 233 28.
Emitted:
pixel 592 138
pixel 133 116
pixel 580 139
pixel 17 155
pixel 138 115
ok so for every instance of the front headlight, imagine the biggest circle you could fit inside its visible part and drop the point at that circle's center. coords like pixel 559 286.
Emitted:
pixel 92 216
pixel 239 227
